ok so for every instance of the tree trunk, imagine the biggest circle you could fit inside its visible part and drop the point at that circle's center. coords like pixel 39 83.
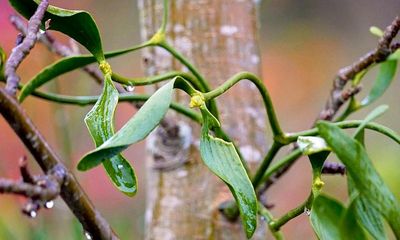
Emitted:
pixel 220 38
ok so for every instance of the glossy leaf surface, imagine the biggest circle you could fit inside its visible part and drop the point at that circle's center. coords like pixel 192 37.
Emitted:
pixel 135 130
pixel 223 160
pixel 100 124
pixel 78 25
pixel 366 180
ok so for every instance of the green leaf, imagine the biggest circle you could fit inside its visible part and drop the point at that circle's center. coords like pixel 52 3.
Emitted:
pixel 376 31
pixel 395 55
pixel 65 65
pixel 78 25
pixel 367 181
pixel 223 160
pixel 52 71
pixel 385 76
pixel 349 226
pixel 325 217
pixel 100 124
pixel 365 214
pixel 332 221
pixel 135 130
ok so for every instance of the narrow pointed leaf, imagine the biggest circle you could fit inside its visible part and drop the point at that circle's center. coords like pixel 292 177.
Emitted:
pixel 223 160
pixel 365 214
pixel 100 124
pixel 367 181
pixel 135 130
pixel 63 66
pixel 385 76
pixel 78 25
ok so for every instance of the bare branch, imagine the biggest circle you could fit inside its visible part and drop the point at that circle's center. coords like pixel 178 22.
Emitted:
pixel 19 53
pixel 345 74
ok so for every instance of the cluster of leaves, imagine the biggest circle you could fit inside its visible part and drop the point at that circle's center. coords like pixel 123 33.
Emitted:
pixel 370 199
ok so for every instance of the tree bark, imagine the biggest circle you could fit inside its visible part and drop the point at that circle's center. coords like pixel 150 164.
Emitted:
pixel 220 38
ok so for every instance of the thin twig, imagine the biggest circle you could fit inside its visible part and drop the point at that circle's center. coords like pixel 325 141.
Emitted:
pixel 345 74
pixel 22 50
pixel 71 191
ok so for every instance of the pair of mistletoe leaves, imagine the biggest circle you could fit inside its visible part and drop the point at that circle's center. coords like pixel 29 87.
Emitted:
pixel 367 188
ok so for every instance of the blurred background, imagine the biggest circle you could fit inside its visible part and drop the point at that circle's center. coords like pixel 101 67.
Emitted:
pixel 303 43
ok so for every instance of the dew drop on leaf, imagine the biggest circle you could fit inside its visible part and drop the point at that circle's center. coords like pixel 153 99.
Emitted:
pixel 32 214
pixel 129 88
pixel 88 236
pixel 49 204
pixel 307 211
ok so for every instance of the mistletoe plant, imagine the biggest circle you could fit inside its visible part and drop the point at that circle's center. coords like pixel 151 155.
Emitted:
pixel 370 199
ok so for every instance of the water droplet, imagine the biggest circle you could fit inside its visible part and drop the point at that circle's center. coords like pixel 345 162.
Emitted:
pixel 120 166
pixel 130 88
pixel 307 211
pixel 32 214
pixel 88 236
pixel 49 204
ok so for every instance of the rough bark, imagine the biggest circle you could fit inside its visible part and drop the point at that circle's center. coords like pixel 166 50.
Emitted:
pixel 220 38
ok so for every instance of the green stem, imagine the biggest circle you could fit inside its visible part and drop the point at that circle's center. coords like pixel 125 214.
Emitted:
pixel 90 100
pixel 265 163
pixel 292 137
pixel 202 81
pixel 288 159
pixel 277 224
pixel 165 16
pixel 273 121
pixel 264 212
pixel 141 81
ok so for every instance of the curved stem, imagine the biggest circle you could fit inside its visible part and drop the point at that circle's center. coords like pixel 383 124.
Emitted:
pixel 292 137
pixel 141 81
pixel 265 164
pixel 273 121
pixel 265 213
pixel 277 224
pixel 202 81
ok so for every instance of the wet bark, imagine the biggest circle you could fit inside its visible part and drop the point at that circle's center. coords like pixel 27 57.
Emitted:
pixel 220 38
